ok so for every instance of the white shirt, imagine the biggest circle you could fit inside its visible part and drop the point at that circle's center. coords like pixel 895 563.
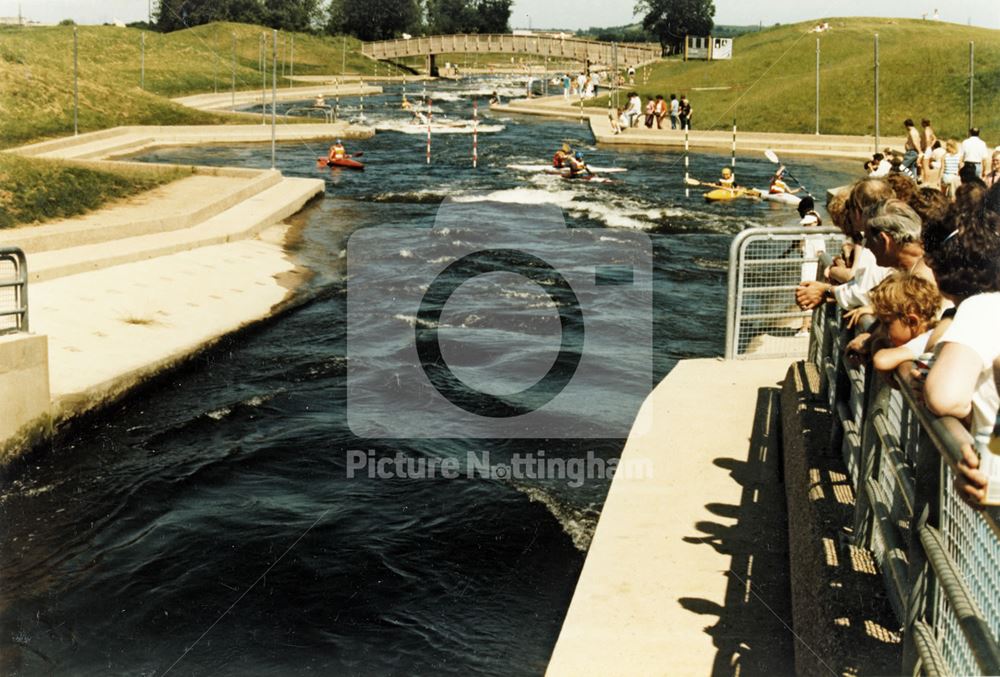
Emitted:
pixel 883 168
pixel 977 326
pixel 675 106
pixel 867 274
pixel 634 106
pixel 974 149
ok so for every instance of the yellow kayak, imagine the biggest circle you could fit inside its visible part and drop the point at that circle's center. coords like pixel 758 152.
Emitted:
pixel 724 194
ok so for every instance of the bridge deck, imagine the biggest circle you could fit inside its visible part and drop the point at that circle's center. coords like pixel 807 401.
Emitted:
pixel 559 47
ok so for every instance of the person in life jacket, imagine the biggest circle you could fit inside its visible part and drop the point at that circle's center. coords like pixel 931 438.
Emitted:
pixel 728 180
pixel 778 184
pixel 577 166
pixel 337 151
pixel 561 158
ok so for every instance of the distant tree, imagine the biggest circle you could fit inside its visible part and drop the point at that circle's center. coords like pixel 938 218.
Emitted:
pixel 67 22
pixel 293 15
pixel 286 15
pixel 671 20
pixel 445 17
pixel 373 19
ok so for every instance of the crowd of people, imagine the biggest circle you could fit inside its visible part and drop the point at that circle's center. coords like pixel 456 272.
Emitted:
pixel 940 164
pixel 923 259
pixel 656 111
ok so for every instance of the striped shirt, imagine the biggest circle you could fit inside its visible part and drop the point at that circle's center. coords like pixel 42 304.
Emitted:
pixel 951 164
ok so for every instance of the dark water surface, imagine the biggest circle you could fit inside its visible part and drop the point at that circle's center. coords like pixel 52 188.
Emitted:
pixel 207 525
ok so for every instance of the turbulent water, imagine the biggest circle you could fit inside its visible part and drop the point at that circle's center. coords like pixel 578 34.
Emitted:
pixel 210 525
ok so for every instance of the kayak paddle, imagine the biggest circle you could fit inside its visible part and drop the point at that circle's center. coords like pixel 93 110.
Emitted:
pixel 773 157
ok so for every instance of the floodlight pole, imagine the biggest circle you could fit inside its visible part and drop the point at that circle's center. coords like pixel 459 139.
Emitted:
pixel 876 93
pixel 817 86
pixel 291 63
pixel 972 71
pixel 76 85
pixel 274 93
pixel 142 60
pixel 233 87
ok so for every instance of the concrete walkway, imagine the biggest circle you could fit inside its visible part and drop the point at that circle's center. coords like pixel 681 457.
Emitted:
pixel 860 147
pixel 687 571
pixel 221 101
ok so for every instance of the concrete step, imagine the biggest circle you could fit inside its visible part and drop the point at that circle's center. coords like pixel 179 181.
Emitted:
pixel 121 222
pixel 99 148
pixel 244 220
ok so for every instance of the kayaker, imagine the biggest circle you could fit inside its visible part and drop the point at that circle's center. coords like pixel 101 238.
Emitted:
pixel 319 101
pixel 337 152
pixel 406 105
pixel 561 158
pixel 728 180
pixel 778 184
pixel 577 166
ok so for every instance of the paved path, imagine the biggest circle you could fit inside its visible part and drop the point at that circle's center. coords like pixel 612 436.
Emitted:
pixel 685 573
pixel 218 101
pixel 597 118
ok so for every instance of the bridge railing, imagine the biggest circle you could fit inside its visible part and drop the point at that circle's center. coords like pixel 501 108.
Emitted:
pixel 13 290
pixel 938 557
pixel 543 45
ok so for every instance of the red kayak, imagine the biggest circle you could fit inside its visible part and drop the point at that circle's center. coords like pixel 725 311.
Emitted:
pixel 345 162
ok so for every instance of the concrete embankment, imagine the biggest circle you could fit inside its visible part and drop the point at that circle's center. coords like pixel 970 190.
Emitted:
pixel 123 293
pixel 221 101
pixel 830 145
pixel 687 572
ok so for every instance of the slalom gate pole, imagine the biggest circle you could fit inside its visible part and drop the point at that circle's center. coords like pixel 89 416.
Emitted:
pixel 687 191
pixel 734 143
pixel 475 133
pixel 429 131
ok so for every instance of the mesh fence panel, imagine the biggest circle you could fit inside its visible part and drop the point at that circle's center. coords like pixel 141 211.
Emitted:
pixel 770 265
pixel 975 549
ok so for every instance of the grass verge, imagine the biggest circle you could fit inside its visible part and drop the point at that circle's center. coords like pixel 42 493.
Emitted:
pixel 33 190
pixel 770 83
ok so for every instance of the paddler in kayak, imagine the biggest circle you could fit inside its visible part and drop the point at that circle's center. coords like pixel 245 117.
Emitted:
pixel 577 166
pixel 406 105
pixel 778 184
pixel 562 156
pixel 337 152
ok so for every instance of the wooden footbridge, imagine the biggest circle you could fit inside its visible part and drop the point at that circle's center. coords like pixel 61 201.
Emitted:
pixel 555 46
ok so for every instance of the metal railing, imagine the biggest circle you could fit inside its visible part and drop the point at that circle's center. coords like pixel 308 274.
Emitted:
pixel 542 45
pixel 765 267
pixel 13 290
pixel 939 558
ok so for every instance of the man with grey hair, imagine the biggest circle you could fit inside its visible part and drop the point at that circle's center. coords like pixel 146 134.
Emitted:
pixel 892 235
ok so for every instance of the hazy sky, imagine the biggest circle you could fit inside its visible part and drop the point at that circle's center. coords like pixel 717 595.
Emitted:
pixel 584 13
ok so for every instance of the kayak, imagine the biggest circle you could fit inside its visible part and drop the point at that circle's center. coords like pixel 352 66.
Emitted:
pixel 593 178
pixel 784 198
pixel 724 194
pixel 550 169
pixel 345 162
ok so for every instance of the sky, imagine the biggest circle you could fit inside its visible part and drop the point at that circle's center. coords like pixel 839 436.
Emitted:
pixel 585 13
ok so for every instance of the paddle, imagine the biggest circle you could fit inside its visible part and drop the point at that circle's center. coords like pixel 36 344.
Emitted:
pixel 773 157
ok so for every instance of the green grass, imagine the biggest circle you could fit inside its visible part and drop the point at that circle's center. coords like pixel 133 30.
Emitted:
pixel 39 190
pixel 924 68
pixel 36 74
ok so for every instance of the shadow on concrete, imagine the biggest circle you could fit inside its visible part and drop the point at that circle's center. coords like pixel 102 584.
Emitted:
pixel 752 631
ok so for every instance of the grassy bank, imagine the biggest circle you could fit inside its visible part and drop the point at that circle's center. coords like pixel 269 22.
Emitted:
pixel 39 190
pixel 770 84
pixel 36 74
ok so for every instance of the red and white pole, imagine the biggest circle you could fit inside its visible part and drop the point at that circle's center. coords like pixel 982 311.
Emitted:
pixel 429 114
pixel 475 133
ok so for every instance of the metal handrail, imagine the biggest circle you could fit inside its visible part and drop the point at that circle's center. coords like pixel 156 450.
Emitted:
pixel 930 566
pixel 19 283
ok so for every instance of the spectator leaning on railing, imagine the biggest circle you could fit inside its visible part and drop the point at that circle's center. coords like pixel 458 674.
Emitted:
pixel 961 381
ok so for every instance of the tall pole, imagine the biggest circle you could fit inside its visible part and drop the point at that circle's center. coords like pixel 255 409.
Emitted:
pixel 263 78
pixel 274 92
pixel 734 143
pixel 142 60
pixel 972 71
pixel 76 85
pixel 876 93
pixel 817 86
pixel 687 177
pixel 233 104
pixel 291 64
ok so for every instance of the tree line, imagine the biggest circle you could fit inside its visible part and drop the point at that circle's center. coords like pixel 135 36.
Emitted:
pixel 364 19
pixel 665 20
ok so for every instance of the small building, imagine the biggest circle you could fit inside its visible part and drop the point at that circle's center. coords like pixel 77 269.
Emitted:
pixel 708 48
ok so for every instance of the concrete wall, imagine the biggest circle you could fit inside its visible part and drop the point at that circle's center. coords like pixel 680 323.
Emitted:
pixel 24 390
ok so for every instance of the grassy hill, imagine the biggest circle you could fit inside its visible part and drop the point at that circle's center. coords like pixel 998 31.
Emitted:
pixel 36 74
pixel 924 68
